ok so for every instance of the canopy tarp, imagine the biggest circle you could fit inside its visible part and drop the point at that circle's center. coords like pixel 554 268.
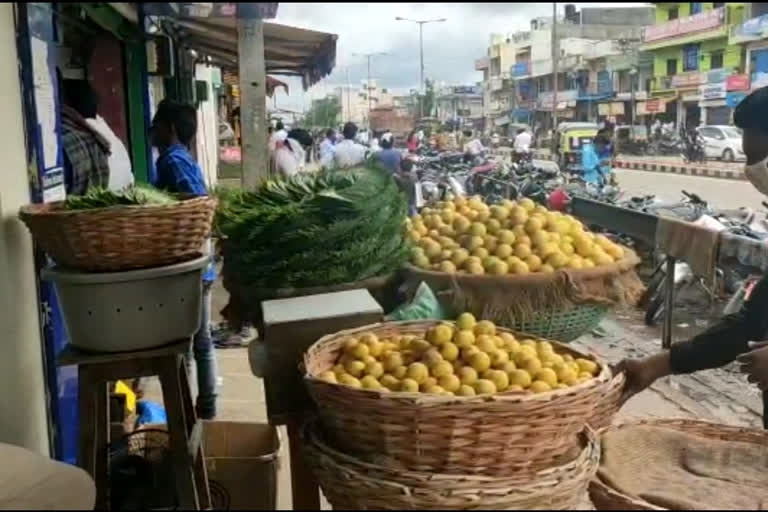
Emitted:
pixel 293 51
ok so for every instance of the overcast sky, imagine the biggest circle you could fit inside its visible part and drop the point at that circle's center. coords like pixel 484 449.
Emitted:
pixel 450 47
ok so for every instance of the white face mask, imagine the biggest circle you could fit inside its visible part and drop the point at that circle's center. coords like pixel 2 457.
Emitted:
pixel 757 174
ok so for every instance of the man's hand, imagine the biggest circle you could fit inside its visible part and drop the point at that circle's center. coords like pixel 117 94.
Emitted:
pixel 755 364
pixel 641 373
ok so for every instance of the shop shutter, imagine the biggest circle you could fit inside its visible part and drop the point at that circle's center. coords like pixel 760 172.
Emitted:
pixel 718 115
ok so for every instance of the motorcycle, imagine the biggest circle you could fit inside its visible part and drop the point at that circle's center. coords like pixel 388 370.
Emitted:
pixel 692 147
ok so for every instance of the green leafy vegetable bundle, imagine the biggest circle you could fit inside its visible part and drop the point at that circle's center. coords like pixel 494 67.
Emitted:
pixel 97 197
pixel 313 229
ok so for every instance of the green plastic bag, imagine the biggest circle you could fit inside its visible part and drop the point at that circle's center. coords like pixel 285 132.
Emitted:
pixel 424 306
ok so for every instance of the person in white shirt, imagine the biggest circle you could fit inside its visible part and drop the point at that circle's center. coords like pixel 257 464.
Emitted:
pixel 474 147
pixel 327 149
pixel 289 157
pixel 522 142
pixel 120 169
pixel 279 134
pixel 348 152
pixel 374 146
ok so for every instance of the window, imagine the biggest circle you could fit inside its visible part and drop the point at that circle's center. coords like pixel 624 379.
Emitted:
pixel 672 13
pixel 690 57
pixel 671 67
pixel 716 60
pixel 717 5
pixel 695 8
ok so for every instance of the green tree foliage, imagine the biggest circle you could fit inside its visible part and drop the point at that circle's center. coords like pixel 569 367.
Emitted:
pixel 324 113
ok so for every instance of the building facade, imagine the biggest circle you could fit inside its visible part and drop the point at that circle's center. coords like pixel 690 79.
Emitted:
pixel 460 105
pixel 693 59
pixel 752 34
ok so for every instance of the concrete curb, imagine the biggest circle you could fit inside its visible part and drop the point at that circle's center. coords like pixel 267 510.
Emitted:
pixel 683 169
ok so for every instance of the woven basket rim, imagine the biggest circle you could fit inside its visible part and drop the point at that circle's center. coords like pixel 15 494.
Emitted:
pixel 424 399
pixel 588 439
pixel 630 260
pixel 53 209
pixel 680 424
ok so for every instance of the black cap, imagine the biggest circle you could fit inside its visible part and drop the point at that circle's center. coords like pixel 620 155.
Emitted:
pixel 752 112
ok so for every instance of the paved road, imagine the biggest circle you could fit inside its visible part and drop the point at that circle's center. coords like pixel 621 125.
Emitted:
pixel 721 193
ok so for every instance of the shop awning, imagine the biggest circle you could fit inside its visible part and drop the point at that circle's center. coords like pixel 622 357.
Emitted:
pixel 291 51
pixel 287 50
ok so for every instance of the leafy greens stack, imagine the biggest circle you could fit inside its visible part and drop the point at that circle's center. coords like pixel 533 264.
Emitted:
pixel 313 229
pixel 97 197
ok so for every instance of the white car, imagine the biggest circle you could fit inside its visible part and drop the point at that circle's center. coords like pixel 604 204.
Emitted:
pixel 722 142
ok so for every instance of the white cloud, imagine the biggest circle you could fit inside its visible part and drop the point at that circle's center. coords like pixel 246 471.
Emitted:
pixel 450 48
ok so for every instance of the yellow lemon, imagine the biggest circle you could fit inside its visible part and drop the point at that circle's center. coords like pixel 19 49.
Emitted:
pixel 485 327
pixel 459 256
pixel 547 375
pixel 328 376
pixel 370 382
pixel 498 268
pixel 449 382
pixel 520 378
pixel 539 386
pixel 400 372
pixel 503 251
pixel 389 382
pixel 374 369
pixel 506 237
pixel 476 269
pixel 355 368
pixel 466 321
pixel 500 379
pixel 512 346
pixel 464 338
pixel 508 367
pixel 518 216
pixel 584 376
pixel 519 268
pixel 499 358
pixel 392 361
pixel 338 369
pixel 467 375
pixel 449 351
pixel 493 226
pixel 418 372
pixel 360 351
pixel 484 387
pixel 440 334
pixel 441 368
pixel 490 243
pixel 466 390
pixel 485 343
pixel 448 267
pixel 480 361
pixel 480 253
pixel 431 356
pixel 546 268
pixel 533 225
pixel 349 380
pixel 544 347
pixel 585 365
pixel 461 224
pixel 409 386
pixel 522 251
pixel 529 364
pixel 528 204
pixel 468 352
pixel 478 229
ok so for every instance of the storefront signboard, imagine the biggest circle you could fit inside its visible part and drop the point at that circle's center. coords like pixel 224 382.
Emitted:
pixel 689 79
pixel 654 105
pixel 737 83
pixel 712 91
pixel 701 21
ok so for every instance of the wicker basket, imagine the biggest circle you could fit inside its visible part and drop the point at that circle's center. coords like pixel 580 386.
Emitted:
pixel 351 484
pixel 606 498
pixel 563 305
pixel 609 404
pixel 121 237
pixel 489 434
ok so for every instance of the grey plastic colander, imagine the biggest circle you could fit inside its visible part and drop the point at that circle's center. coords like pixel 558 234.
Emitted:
pixel 133 310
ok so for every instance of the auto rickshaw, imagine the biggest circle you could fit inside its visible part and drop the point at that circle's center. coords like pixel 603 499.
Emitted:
pixel 570 137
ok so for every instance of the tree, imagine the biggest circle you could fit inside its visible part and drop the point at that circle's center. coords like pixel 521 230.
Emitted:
pixel 324 113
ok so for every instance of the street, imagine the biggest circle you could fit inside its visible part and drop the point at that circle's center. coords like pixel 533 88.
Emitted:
pixel 721 193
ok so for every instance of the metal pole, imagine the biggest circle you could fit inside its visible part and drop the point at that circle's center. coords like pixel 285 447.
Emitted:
pixel 632 78
pixel 349 109
pixel 555 56
pixel 253 109
pixel 369 96
pixel 669 303
pixel 421 58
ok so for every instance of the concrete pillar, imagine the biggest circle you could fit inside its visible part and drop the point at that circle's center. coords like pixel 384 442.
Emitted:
pixel 22 381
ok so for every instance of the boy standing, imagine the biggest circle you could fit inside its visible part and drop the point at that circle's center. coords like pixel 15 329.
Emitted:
pixel 173 129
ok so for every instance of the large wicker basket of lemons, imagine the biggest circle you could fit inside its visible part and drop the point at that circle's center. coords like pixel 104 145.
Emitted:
pixel 443 396
pixel 521 265
pixel 351 483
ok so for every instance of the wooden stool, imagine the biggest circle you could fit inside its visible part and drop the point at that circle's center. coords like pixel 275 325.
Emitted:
pixel 95 371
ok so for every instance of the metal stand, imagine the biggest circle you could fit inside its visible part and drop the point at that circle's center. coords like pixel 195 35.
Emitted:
pixel 669 304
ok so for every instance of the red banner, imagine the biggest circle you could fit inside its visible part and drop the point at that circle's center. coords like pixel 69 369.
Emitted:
pixel 701 21
pixel 737 83
pixel 653 105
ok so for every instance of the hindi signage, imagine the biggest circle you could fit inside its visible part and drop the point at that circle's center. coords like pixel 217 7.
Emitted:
pixel 737 83
pixel 702 21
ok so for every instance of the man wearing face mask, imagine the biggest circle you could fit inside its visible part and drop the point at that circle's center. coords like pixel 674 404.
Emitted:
pixel 740 336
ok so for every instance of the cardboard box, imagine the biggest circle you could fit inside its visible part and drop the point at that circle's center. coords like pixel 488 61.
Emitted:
pixel 242 458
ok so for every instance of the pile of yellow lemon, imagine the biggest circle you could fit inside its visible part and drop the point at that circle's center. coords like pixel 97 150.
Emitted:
pixel 467 235
pixel 466 359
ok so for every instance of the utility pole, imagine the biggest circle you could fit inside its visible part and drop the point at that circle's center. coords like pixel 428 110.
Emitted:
pixel 555 58
pixel 421 24
pixel 349 110
pixel 368 57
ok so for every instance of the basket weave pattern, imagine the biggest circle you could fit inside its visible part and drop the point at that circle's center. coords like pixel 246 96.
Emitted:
pixel 565 325
pixel 605 497
pixel 609 404
pixel 479 435
pixel 121 237
pixel 351 484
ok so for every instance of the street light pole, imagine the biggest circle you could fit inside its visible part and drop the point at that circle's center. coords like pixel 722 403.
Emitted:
pixel 421 24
